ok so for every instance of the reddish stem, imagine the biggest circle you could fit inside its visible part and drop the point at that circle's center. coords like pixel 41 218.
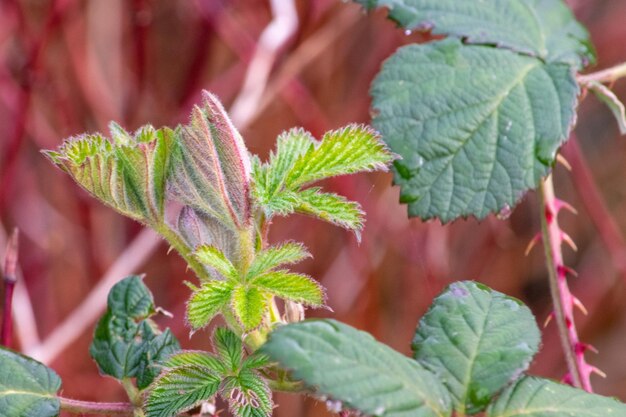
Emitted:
pixel 10 278
pixel 553 238
pixel 89 407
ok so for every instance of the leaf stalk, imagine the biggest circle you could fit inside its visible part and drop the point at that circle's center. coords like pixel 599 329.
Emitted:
pixel 89 407
pixel 608 75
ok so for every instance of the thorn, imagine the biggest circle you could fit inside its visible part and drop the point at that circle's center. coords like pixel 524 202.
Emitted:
pixel 564 270
pixel 598 372
pixel 567 379
pixel 583 347
pixel 561 159
pixel 171 248
pixel 580 305
pixel 532 244
pixel 560 204
pixel 548 320
pixel 567 239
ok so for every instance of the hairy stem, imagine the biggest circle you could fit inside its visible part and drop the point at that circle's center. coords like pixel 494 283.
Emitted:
pixel 604 76
pixel 89 407
pixel 563 300
pixel 10 278
pixel 181 247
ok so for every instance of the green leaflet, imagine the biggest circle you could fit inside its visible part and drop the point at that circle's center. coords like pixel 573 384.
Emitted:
pixel 476 126
pixel 127 172
pixel 27 388
pixel 537 397
pixel 609 98
pixel 351 366
pixel 546 29
pixel 192 377
pixel 126 342
pixel 476 341
pixel 246 293
pixel 300 160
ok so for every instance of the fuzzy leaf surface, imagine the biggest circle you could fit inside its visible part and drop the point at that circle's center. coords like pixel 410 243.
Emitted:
pixel 249 305
pixel 27 388
pixel 537 397
pixel 126 172
pixel 291 286
pixel 181 389
pixel 207 301
pixel 211 165
pixel 476 341
pixel 275 256
pixel 476 126
pixel 546 29
pixel 248 394
pixel 127 343
pixel 351 366
pixel 215 258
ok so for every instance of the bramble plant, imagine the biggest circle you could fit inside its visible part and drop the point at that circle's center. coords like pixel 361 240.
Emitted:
pixel 470 123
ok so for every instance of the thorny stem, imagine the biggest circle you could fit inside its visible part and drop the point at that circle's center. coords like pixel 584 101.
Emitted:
pixel 10 278
pixel 605 76
pixel 562 298
pixel 89 407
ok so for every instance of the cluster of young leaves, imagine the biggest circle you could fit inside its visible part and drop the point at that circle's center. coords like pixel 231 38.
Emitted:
pixel 127 343
pixel 470 354
pixel 226 197
pixel 479 116
pixel 247 293
pixel 192 377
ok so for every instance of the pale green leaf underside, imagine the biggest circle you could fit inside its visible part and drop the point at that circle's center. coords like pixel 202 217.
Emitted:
pixel 351 366
pixel 537 397
pixel 27 388
pixel 476 126
pixel 180 390
pixel 543 28
pixel 476 341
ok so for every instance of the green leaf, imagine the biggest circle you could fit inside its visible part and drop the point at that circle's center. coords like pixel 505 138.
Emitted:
pixel 195 357
pixel 229 347
pixel 332 208
pixel 128 173
pixel 126 342
pixel 215 258
pixel 211 167
pixel 27 388
pixel 476 126
pixel 248 394
pixel 275 256
pixel 537 397
pixel 476 341
pixel 291 286
pixel 181 389
pixel 206 302
pixel 354 148
pixel 351 366
pixel 249 305
pixel 546 29
pixel 609 98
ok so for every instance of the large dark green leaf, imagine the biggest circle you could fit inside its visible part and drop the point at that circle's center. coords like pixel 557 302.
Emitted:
pixel 476 126
pixel 348 365
pixel 537 397
pixel 27 388
pixel 543 28
pixel 476 341
pixel 126 342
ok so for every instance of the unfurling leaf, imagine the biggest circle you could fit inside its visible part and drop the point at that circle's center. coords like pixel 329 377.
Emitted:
pixel 476 126
pixel 207 301
pixel 249 305
pixel 350 366
pixel 300 160
pixel 126 342
pixel 609 98
pixel 248 394
pixel 537 397
pixel 476 341
pixel 128 172
pixel 27 388
pixel 212 172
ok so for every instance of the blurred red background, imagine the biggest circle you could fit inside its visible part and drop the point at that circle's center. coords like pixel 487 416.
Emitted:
pixel 70 66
